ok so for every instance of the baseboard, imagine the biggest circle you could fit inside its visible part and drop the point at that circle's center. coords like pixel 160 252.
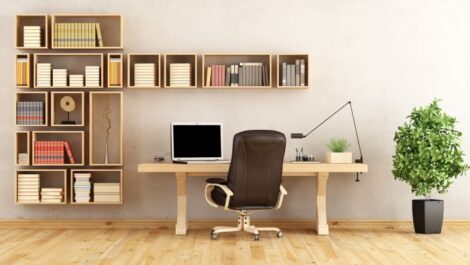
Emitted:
pixel 204 224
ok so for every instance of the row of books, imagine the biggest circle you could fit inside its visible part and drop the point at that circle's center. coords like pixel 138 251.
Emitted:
pixel 293 74
pixel 242 74
pixel 43 74
pixel 28 188
pixel 23 159
pixel 82 187
pixel 59 77
pixel 30 113
pixel 144 74
pixel 52 152
pixel 32 36
pixel 115 71
pixel 62 78
pixel 106 192
pixel 52 195
pixel 22 73
pixel 180 74
pixel 77 35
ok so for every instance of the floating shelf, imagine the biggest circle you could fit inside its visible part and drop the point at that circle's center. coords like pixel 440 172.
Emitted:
pixel 66 28
pixel 59 117
pixel 148 58
pixel 28 111
pixel 291 59
pixel 40 20
pixel 179 58
pixel 49 178
pixel 75 139
pixel 22 146
pixel 23 72
pixel 115 77
pixel 100 104
pixel 97 176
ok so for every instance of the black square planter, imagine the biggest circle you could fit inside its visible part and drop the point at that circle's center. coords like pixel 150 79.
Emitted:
pixel 428 216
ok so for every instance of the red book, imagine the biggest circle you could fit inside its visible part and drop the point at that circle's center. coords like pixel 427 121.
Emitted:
pixel 214 74
pixel 36 154
pixel 222 75
pixel 69 153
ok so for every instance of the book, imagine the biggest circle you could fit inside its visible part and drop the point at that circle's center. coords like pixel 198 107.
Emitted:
pixel 69 152
pixel 302 72
pixel 297 72
pixel 98 33
pixel 208 76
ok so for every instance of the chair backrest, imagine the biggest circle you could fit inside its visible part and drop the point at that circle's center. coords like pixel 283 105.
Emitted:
pixel 255 172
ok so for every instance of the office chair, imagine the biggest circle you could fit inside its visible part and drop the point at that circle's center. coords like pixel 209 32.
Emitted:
pixel 253 182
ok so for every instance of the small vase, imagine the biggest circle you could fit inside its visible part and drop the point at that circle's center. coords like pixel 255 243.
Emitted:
pixel 106 156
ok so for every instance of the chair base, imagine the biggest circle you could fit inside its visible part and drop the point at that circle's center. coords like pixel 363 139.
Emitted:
pixel 244 225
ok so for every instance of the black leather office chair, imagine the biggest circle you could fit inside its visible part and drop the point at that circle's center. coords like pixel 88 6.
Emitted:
pixel 253 182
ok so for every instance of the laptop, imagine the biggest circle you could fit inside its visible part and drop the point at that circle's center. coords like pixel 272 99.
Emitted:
pixel 197 142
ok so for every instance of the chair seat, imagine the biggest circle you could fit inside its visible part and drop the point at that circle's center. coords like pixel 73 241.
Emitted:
pixel 219 196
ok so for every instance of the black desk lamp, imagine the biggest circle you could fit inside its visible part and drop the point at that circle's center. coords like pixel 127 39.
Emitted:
pixel 301 135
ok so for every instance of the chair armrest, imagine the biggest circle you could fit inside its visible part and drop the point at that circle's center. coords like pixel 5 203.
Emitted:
pixel 216 181
pixel 282 193
pixel 225 189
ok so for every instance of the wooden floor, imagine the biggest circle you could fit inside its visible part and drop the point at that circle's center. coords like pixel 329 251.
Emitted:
pixel 160 246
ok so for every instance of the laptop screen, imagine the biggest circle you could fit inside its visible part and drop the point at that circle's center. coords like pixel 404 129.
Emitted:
pixel 196 141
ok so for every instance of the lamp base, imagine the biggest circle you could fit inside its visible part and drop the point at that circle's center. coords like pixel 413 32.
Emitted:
pixel 68 122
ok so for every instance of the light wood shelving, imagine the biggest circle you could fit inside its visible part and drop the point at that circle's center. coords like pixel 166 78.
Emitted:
pixel 290 59
pixel 101 103
pixel 33 96
pixel 58 115
pixel 97 176
pixel 133 58
pixel 22 145
pixel 76 140
pixel 111 27
pixel 169 58
pixel 115 71
pixel 49 178
pixel 32 20
pixel 23 71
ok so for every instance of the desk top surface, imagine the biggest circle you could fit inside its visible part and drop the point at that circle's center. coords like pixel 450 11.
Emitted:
pixel 222 168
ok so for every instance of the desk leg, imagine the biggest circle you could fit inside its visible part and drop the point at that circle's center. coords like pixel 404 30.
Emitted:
pixel 181 217
pixel 321 224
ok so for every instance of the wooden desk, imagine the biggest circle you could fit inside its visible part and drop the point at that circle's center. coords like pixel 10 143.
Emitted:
pixel 182 171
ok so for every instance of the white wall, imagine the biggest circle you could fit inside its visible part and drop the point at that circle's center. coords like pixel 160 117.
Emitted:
pixel 385 56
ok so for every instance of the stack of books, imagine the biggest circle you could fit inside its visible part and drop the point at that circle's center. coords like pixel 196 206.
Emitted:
pixel 43 74
pixel 92 76
pixel 144 74
pixel 22 74
pixel 59 77
pixel 28 188
pixel 180 74
pixel 30 113
pixel 107 192
pixel 241 74
pixel 52 195
pixel 77 35
pixel 52 152
pixel 76 80
pixel 293 74
pixel 32 36
pixel 23 159
pixel 114 73
pixel 82 187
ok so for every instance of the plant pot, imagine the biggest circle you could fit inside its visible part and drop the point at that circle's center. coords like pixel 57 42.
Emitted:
pixel 428 216
pixel 339 158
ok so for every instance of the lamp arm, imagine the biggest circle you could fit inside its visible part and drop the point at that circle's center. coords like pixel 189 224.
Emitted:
pixel 329 117
pixel 360 160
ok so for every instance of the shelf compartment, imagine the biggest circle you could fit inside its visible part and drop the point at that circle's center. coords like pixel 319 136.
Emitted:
pixel 40 20
pixel 43 156
pixel 65 25
pixel 28 109
pixel 23 70
pixel 22 146
pixel 132 59
pixel 61 118
pixel 75 63
pixel 97 176
pixel 180 58
pixel 100 104
pixel 290 59
pixel 208 60
pixel 49 178
pixel 115 70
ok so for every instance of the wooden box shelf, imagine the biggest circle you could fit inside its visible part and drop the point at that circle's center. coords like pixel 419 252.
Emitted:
pixel 106 151
pixel 115 77
pixel 29 111
pixel 49 178
pixel 97 176
pixel 75 63
pixel 75 139
pixel 290 59
pixel 143 58
pixel 23 20
pixel 23 70
pixel 22 146
pixel 61 118
pixel 71 31
pixel 180 58
pixel 255 76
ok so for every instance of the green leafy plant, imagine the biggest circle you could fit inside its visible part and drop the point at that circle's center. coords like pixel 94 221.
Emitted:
pixel 427 153
pixel 338 145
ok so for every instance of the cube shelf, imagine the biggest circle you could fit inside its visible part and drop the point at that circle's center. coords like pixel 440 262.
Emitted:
pixel 49 178
pixel 61 116
pixel 22 146
pixel 147 80
pixel 23 72
pixel 40 20
pixel 32 109
pixel 97 176
pixel 115 70
pixel 292 59
pixel 180 58
pixel 44 155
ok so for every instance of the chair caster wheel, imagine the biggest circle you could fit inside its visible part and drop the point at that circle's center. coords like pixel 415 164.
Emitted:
pixel 213 235
pixel 257 237
pixel 279 234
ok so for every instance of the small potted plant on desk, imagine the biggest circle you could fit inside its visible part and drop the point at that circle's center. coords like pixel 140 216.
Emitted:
pixel 428 157
pixel 338 146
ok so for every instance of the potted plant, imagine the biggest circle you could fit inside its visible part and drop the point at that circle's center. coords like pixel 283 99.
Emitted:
pixel 338 146
pixel 428 157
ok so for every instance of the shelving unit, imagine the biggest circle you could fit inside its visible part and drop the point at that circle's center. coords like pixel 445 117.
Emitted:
pixel 178 58
pixel 291 59
pixel 61 118
pixel 97 176
pixel 49 178
pixel 23 72
pixel 133 58
pixel 110 29
pixel 22 145
pixel 76 140
pixel 100 104
pixel 115 73
pixel 32 20
pixel 35 96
